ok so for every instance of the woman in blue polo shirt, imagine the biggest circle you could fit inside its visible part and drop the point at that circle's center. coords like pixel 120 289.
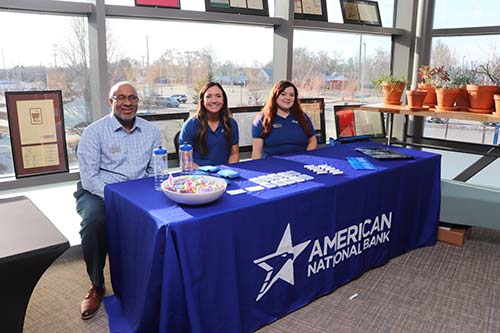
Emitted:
pixel 212 131
pixel 282 127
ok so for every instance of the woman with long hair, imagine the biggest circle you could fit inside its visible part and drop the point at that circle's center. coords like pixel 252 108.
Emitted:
pixel 212 131
pixel 282 126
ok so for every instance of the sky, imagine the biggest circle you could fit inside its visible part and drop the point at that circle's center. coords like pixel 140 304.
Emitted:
pixel 34 43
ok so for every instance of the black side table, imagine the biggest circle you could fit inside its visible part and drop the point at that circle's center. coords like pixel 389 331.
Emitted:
pixel 29 243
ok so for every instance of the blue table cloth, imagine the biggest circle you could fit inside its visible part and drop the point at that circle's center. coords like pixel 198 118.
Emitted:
pixel 243 261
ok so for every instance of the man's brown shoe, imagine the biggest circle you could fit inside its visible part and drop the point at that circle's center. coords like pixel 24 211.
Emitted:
pixel 91 302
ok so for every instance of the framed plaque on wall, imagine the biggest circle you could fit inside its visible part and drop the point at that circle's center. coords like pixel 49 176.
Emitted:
pixel 311 10
pixel 363 12
pixel 251 7
pixel 36 126
pixel 159 3
pixel 315 109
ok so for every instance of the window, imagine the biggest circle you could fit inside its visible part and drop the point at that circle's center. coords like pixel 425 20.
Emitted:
pixel 464 13
pixel 479 58
pixel 50 57
pixel 164 63
pixel 467 52
pixel 335 67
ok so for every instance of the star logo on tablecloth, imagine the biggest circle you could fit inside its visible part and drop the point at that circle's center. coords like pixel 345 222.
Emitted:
pixel 281 261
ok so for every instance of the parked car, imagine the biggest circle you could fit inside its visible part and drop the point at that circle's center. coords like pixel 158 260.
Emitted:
pixel 169 102
pixel 437 120
pixel 180 97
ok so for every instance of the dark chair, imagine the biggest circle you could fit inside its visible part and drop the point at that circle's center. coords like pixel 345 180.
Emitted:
pixel 176 142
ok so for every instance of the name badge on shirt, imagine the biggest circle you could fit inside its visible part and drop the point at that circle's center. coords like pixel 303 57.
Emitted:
pixel 277 125
pixel 116 149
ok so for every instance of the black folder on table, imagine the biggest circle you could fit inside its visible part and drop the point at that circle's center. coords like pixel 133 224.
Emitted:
pixel 382 153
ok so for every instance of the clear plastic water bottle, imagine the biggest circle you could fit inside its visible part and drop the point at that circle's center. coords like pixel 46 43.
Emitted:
pixel 186 158
pixel 160 162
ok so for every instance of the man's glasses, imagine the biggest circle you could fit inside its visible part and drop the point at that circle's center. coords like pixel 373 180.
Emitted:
pixel 123 98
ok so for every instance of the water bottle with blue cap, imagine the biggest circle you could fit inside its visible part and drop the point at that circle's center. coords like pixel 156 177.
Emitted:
pixel 186 158
pixel 160 164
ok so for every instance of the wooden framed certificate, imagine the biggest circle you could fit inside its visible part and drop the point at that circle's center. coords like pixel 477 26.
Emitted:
pixel 311 10
pixel 245 116
pixel 251 7
pixel 363 12
pixel 315 109
pixel 159 3
pixel 36 126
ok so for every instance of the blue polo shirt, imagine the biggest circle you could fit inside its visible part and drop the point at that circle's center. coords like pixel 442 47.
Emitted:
pixel 216 142
pixel 286 135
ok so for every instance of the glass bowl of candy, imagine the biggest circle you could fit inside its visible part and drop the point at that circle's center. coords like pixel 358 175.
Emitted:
pixel 194 189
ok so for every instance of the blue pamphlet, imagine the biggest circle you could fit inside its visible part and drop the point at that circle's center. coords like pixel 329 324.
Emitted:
pixel 360 163
pixel 226 173
pixel 209 168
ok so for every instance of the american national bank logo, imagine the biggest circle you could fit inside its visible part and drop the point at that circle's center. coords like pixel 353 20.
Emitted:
pixel 326 252
pixel 279 265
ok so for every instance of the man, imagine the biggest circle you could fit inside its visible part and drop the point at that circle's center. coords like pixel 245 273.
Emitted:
pixel 115 148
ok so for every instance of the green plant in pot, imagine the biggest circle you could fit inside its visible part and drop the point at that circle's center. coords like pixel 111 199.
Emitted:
pixel 446 91
pixel 427 77
pixel 461 78
pixel 392 87
pixel 481 95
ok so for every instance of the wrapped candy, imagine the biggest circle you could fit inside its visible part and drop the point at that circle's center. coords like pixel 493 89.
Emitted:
pixel 192 184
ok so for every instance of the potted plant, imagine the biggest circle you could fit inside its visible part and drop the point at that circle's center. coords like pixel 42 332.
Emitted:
pixel 392 88
pixel 481 95
pixel 497 105
pixel 427 76
pixel 446 91
pixel 415 99
pixel 461 78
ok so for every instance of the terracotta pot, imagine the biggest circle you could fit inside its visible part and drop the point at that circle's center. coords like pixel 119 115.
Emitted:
pixel 497 105
pixel 430 99
pixel 415 99
pixel 393 92
pixel 446 98
pixel 481 97
pixel 462 99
